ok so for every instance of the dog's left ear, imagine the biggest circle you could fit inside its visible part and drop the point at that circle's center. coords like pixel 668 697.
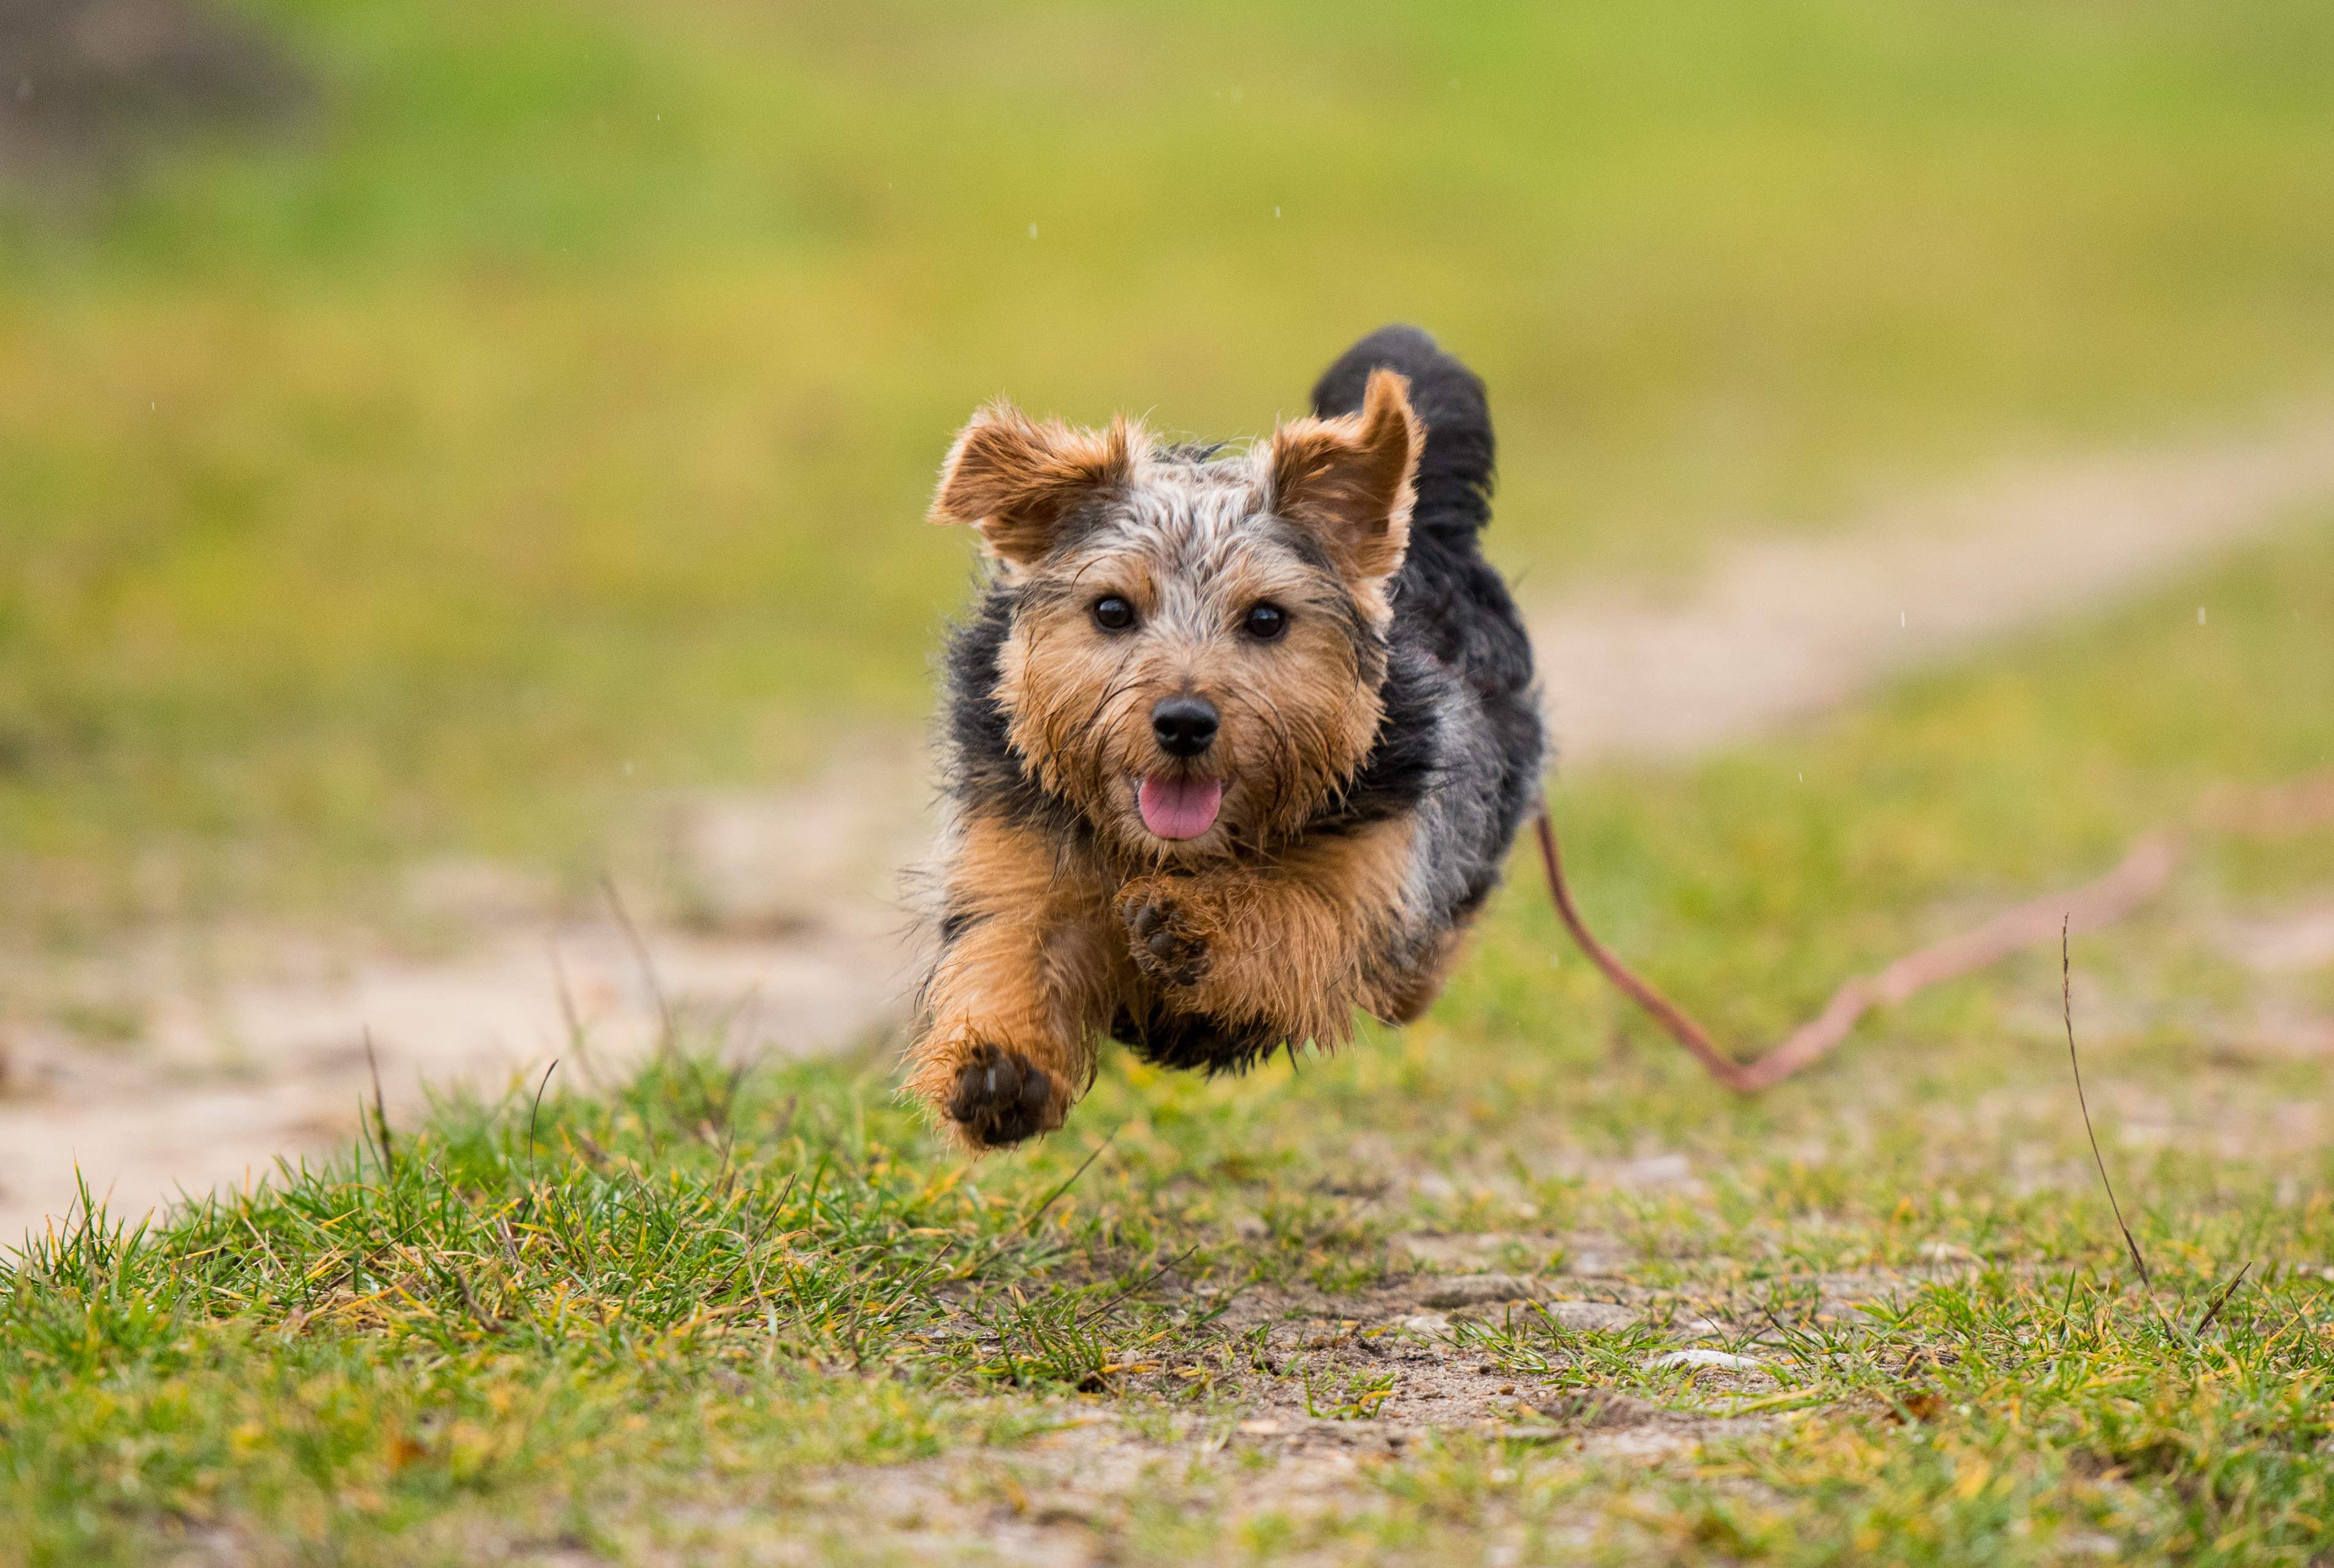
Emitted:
pixel 1352 480
pixel 1018 479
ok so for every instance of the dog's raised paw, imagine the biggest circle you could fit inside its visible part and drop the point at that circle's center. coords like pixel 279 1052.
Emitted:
pixel 1162 936
pixel 1000 1097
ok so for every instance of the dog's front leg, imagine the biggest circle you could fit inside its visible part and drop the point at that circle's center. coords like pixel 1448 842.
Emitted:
pixel 1288 945
pixel 1028 954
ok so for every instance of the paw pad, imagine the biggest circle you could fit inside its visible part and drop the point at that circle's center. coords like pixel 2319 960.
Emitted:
pixel 1165 945
pixel 1000 1097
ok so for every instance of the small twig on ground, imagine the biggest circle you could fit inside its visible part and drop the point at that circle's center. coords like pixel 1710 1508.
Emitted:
pixel 2066 1010
pixel 665 1039
pixel 2219 1301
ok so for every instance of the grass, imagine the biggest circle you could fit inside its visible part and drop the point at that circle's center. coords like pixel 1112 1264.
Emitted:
pixel 546 418
pixel 704 1313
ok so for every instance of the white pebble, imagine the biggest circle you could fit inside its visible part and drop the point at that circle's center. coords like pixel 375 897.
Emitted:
pixel 1722 1358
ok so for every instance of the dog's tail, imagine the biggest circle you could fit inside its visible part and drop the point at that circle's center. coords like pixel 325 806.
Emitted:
pixel 1454 473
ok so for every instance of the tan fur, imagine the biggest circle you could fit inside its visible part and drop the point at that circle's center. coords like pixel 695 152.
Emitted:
pixel 1283 940
pixel 1038 971
pixel 1052 959
pixel 1353 479
pixel 1298 717
pixel 1053 934
pixel 1014 477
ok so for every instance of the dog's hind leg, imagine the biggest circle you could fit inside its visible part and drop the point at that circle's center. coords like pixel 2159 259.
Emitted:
pixel 1026 976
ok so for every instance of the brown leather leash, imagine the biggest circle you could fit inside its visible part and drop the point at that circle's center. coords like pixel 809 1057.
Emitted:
pixel 2146 867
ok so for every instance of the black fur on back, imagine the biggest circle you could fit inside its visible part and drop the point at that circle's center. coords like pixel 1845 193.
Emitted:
pixel 1451 608
pixel 1454 473
pixel 1446 595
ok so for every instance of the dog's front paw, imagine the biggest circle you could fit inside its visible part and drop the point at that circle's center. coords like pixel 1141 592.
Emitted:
pixel 1166 942
pixel 1001 1097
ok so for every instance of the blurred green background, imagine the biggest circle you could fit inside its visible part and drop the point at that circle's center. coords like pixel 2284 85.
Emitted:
pixel 427 425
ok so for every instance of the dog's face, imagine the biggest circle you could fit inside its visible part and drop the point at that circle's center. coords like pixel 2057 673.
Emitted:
pixel 1197 645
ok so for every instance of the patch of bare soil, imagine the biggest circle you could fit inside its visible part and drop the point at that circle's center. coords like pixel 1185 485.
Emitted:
pixel 1074 1496
pixel 196 1058
pixel 88 85
pixel 1321 1395
pixel 2294 940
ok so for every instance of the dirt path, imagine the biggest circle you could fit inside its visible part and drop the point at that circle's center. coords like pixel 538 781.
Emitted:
pixel 782 917
pixel 1785 627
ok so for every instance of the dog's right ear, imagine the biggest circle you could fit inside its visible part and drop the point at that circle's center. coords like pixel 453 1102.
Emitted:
pixel 1016 478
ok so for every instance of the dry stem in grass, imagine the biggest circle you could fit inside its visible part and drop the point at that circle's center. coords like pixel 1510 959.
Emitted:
pixel 379 1109
pixel 2221 1300
pixel 2083 1102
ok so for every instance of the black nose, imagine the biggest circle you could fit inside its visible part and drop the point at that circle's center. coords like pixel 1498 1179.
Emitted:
pixel 1185 725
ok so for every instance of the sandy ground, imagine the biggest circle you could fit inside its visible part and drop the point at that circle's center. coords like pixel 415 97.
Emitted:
pixel 1785 627
pixel 1282 1443
pixel 783 917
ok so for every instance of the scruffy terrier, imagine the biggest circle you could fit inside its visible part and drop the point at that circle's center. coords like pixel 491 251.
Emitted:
pixel 1236 740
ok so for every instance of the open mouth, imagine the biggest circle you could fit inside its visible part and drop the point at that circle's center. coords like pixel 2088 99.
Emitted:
pixel 1179 808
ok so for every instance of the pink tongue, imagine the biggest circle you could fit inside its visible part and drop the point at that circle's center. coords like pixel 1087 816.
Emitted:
pixel 1179 808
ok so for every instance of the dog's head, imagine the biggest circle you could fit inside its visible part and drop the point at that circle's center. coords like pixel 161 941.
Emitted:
pixel 1198 643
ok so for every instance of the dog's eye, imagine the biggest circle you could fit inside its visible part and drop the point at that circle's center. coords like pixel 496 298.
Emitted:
pixel 1113 613
pixel 1266 622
